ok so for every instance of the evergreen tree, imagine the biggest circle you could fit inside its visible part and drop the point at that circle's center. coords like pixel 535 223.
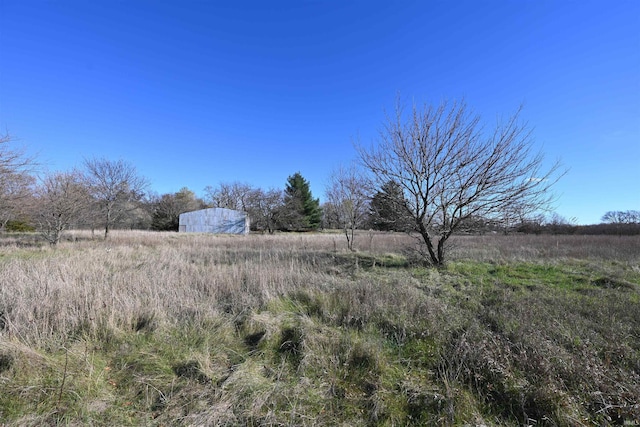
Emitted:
pixel 301 212
pixel 388 210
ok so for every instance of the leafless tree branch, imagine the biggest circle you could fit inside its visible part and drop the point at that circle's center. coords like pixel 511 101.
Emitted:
pixel 451 169
pixel 348 194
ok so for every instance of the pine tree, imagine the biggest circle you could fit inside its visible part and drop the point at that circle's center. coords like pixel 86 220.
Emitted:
pixel 301 212
pixel 388 209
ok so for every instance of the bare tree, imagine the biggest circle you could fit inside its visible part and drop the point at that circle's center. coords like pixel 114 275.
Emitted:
pixel 621 217
pixel 330 217
pixel 60 200
pixel 347 193
pixel 515 215
pixel 451 169
pixel 558 224
pixel 15 179
pixel 116 188
pixel 623 222
pixel 230 195
pixel 264 208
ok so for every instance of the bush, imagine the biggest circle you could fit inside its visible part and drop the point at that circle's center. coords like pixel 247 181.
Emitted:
pixel 18 226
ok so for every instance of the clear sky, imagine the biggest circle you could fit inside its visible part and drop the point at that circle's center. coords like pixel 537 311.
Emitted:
pixel 198 92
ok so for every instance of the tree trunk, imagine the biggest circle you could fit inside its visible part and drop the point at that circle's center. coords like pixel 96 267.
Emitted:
pixel 107 223
pixel 441 251
pixel 427 240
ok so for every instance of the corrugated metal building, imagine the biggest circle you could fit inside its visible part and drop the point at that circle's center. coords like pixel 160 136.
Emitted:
pixel 215 220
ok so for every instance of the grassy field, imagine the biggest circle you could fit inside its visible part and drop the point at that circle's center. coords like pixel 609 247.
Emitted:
pixel 167 329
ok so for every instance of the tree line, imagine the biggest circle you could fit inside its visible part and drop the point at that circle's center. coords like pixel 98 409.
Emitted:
pixel 611 223
pixel 105 194
pixel 433 171
pixel 291 209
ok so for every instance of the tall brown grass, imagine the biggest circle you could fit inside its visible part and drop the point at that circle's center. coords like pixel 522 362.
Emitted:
pixel 532 248
pixel 47 293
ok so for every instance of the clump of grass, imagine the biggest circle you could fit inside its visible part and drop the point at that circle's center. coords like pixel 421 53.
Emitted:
pixel 191 370
pixel 291 344
pixel 144 322
pixel 6 361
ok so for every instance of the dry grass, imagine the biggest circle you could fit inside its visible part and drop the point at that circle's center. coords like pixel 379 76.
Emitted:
pixel 540 248
pixel 167 328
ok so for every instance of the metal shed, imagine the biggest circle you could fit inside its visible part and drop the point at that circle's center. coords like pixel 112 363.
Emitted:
pixel 214 220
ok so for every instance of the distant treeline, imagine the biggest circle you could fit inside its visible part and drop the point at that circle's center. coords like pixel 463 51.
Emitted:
pixel 593 229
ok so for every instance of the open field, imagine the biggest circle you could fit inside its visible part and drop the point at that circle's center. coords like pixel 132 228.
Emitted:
pixel 175 329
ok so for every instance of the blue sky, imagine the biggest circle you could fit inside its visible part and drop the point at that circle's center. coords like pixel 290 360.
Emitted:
pixel 194 93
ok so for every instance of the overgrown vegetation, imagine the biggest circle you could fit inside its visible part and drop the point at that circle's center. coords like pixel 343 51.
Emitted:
pixel 174 329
